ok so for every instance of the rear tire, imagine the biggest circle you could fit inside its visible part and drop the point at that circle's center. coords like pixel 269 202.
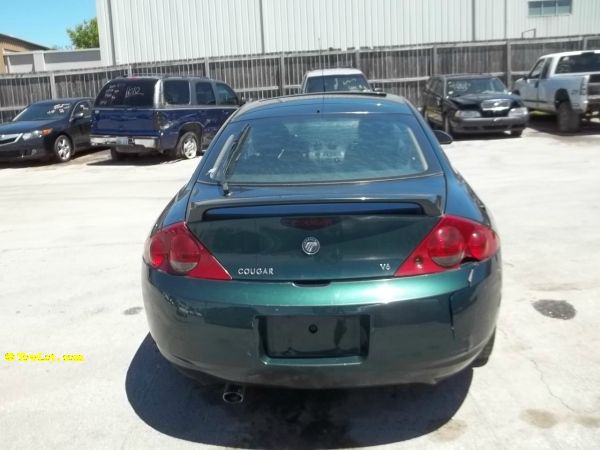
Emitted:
pixel 115 155
pixel 188 146
pixel 485 354
pixel 568 120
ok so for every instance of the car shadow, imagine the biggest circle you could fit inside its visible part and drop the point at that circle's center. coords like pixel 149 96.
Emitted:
pixel 134 160
pixel 286 418
pixel 546 123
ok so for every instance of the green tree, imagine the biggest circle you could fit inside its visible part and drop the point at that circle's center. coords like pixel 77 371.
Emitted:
pixel 85 35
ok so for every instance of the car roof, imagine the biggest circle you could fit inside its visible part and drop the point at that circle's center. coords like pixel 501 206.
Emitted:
pixel 337 71
pixel 164 77
pixel 66 99
pixel 339 102
pixel 575 52
pixel 455 76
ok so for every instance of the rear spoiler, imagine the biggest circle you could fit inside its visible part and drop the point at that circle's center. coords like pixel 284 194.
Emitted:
pixel 228 208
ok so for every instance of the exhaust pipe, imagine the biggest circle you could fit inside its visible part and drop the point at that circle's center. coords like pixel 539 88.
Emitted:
pixel 234 393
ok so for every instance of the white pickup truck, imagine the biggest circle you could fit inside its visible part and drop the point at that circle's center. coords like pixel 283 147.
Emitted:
pixel 566 84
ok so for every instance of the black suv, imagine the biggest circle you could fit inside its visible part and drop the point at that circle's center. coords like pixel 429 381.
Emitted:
pixel 175 116
pixel 470 103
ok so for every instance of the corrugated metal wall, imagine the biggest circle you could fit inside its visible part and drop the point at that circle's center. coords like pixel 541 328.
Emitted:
pixel 159 30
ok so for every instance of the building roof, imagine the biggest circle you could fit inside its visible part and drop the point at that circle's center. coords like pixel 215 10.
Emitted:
pixel 24 43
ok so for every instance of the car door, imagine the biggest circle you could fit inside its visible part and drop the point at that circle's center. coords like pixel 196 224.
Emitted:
pixel 529 90
pixel 436 99
pixel 81 124
pixel 542 101
pixel 227 98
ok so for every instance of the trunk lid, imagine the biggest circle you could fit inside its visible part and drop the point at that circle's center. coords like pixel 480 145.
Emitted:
pixel 319 233
pixel 123 121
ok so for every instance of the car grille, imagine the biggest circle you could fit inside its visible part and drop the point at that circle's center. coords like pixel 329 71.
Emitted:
pixel 495 107
pixel 8 138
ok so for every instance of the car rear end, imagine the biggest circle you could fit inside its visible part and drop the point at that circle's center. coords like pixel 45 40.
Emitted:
pixel 343 276
pixel 125 116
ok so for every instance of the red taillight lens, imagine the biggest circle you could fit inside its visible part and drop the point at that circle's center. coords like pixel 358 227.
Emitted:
pixel 175 250
pixel 452 241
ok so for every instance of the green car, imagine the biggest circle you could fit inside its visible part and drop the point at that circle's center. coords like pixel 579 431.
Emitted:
pixel 324 241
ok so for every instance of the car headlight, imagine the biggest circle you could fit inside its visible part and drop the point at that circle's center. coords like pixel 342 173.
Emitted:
pixel 37 134
pixel 468 114
pixel 518 112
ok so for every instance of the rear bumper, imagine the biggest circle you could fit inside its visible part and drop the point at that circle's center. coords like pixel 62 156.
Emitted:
pixel 127 144
pixel 420 329
pixel 488 124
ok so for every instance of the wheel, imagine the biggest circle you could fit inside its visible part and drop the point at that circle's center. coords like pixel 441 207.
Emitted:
pixel 516 133
pixel 485 354
pixel 568 120
pixel 187 146
pixel 63 148
pixel 115 155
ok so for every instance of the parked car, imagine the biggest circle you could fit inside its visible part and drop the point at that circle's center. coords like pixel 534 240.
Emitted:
pixel 335 80
pixel 50 129
pixel 175 116
pixel 566 84
pixel 330 245
pixel 470 103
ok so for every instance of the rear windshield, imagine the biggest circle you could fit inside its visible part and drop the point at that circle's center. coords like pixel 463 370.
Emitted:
pixel 318 148
pixel 337 83
pixel 586 62
pixel 127 92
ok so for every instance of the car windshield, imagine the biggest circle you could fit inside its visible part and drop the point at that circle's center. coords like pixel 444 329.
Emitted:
pixel 127 92
pixel 585 62
pixel 44 111
pixel 332 83
pixel 320 148
pixel 465 86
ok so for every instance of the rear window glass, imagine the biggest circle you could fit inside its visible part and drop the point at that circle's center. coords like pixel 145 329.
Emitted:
pixel 586 62
pixel 127 92
pixel 319 148
pixel 176 92
pixel 337 83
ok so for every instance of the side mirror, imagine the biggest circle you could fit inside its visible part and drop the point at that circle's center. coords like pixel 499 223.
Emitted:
pixel 377 89
pixel 241 101
pixel 443 137
pixel 78 116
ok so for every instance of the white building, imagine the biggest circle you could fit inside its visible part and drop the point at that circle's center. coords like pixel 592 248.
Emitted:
pixel 160 30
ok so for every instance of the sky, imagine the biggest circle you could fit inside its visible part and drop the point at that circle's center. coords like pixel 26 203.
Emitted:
pixel 44 22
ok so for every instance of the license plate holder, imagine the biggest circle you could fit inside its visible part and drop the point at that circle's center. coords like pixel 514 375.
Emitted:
pixel 315 336
pixel 122 140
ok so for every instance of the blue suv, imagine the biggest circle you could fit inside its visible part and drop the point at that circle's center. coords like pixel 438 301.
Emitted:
pixel 175 116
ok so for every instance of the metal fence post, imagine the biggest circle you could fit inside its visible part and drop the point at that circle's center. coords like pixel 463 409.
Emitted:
pixel 357 59
pixel 206 67
pixel 434 60
pixel 52 85
pixel 508 67
pixel 129 70
pixel 584 43
pixel 282 75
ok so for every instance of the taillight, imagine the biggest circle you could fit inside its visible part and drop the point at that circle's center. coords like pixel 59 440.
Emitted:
pixel 159 120
pixel 453 240
pixel 176 251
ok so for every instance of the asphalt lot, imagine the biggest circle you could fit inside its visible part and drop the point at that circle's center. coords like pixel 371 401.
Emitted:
pixel 71 238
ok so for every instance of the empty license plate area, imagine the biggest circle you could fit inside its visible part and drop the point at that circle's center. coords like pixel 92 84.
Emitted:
pixel 315 336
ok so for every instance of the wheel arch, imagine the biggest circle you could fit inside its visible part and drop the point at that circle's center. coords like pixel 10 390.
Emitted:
pixel 191 126
pixel 561 96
